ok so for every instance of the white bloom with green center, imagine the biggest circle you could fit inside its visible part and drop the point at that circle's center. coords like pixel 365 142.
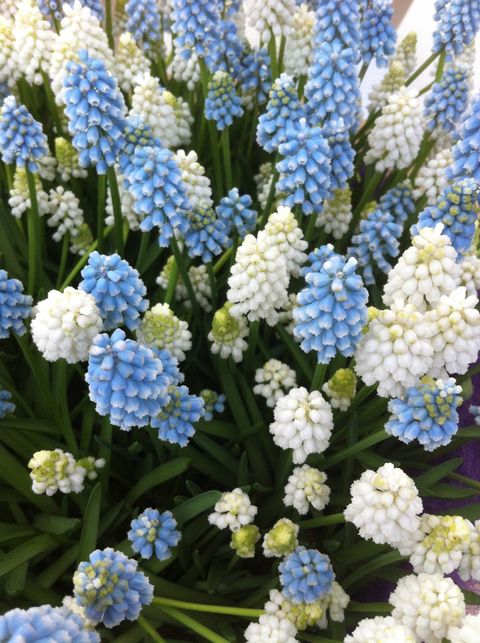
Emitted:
pixel 33 40
pixel 302 615
pixel 233 511
pixel 197 184
pixel 380 629
pixel 306 486
pixel 428 605
pixel 406 53
pixel 243 541
pixel 432 178
pixel 130 62
pixel 336 214
pixel 57 470
pixel 441 541
pixel 228 334
pixel 19 199
pixel 299 43
pixel 270 16
pixel 274 379
pixel 66 214
pixel 283 231
pixel 390 83
pixel 150 104
pixel 341 388
pixel 271 628
pixel 162 329
pixel 281 539
pixel 67 160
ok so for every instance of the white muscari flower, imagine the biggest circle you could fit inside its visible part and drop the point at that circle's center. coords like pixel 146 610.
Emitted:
pixel 391 82
pixel 336 214
pixel 397 134
pixel 182 135
pixel 47 166
pixel 341 388
pixel 428 604
pixel 281 539
pixel 126 203
pixel 67 160
pixel 198 276
pixel 233 510
pixel 302 615
pixel 197 184
pixel 65 324
pixel 303 422
pixel 130 62
pixel 456 339
pixel 431 178
pixel 244 539
pixel 32 41
pixel 19 200
pixel 425 271
pixel 266 16
pixel 306 486
pixel 162 329
pixel 396 349
pixel 66 215
pixel 8 8
pixel 150 104
pixel 385 506
pixel 263 182
pixel 57 470
pixel 272 629
pixel 9 69
pixel 274 379
pixel 406 53
pixel 299 42
pixel 186 69
pixel 284 232
pixel 470 272
pixel 228 334
pixel 467 631
pixel 335 602
pixel 380 629
pixel 81 242
pixel 441 541
pixel 469 568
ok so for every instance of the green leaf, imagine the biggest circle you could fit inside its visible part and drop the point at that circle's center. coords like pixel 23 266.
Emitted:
pixel 435 474
pixel 56 525
pixel 88 537
pixel 194 506
pixel 12 532
pixel 159 475
pixel 26 552
pixel 379 562
pixel 217 452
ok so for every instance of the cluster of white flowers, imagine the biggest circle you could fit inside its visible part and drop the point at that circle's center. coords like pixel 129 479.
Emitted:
pixel 336 214
pixel 33 40
pixel 397 134
pixel 284 232
pixel 306 486
pixel 126 205
pixel 274 379
pixel 233 510
pixel 469 568
pixel 271 628
pixel 19 200
pixel 57 470
pixel 467 632
pixel 161 328
pixel 130 62
pixel 281 539
pixel 65 324
pixel 299 43
pixel 432 178
pixel 391 82
pixel 68 165
pixel 66 213
pixel 186 68
pixel 303 422
pixel 198 276
pixel 470 272
pixel 380 628
pixel 9 70
pixel 228 334
pixel 406 53
pixel 197 184
pixel 341 388
pixel 270 16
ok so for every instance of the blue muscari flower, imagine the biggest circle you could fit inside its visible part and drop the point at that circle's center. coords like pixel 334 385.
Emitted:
pixel 475 411
pixel 255 76
pixel 306 575
pixel 332 90
pixel 117 289
pixel 175 421
pixel 336 21
pixel 51 9
pixel 213 402
pixel 234 210
pixel 155 182
pixel 95 6
pixel 457 208
pixel 110 588
pixel 447 100
pixel 377 34
pixel 231 43
pixel 427 413
pixel 6 406
pixel 143 21
pixel 96 112
pixel 154 532
pixel 466 151
pixel 283 112
pixel 137 133
pixel 376 241
pixel 45 623
pixel 332 310
pixel 222 103
pixel 343 154
pixel 399 202
pixel 170 372
pixel 207 234
pixel 126 380
pixel 305 172
pixel 15 307
pixel 22 140
pixel 458 23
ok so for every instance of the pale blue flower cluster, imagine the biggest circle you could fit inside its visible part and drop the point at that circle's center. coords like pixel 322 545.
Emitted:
pixel 255 77
pixel 136 133
pixel 331 311
pixel 15 307
pixel 306 575
pixel 207 234
pixel 447 100
pixel 427 413
pixel 117 289
pixel 22 140
pixel 143 21
pixel 222 103
pixel 305 172
pixel 96 112
pixel 213 403
pixel 377 33
pixel 466 151
pixel 153 532
pixel 343 154
pixel 283 112
pixel 110 587
pixel 45 624
pixel 234 210
pixel 175 421
pixel 6 406
pixel 95 6
pixel 337 21
pixel 399 202
pixel 458 24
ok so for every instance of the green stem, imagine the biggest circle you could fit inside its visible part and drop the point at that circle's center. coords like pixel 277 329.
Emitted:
pixel 213 284
pixel 83 260
pixel 272 51
pixel 52 106
pixel 142 251
pixel 148 629
pixel 109 24
pixel 323 521
pixel 210 609
pixel 227 159
pixel 281 55
pixel 318 377
pixel 172 282
pixel 440 66
pixel 192 624
pixel 63 258
pixel 422 68
pixel 270 198
pixel 183 272
pixel 363 71
pixel 223 260
pixel 102 191
pixel 373 608
pixel 117 211
pixel 33 227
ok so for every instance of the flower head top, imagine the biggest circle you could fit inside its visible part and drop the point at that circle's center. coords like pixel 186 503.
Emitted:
pixel 341 388
pixel 391 82
pixel 234 210
pixel 377 34
pixel 272 379
pixel 306 575
pixel 448 100
pixel 22 140
pixel 222 103
pixel 440 544
pixel 162 329
pixel 53 471
pixel 196 182
pixel 299 44
pixel 255 77
pixel 33 40
pixel 47 623
pixel 228 334
pixel 233 511
pixel 466 151
pixel 212 402
pixel 337 22
pixel 110 587
pixel 15 307
pixel 153 532
pixel 458 23
pixel 176 419
pixel 143 21
pixel 270 16
pixel 306 486
pixel 131 63
pixel 281 539
pixel 244 539
pixel 9 71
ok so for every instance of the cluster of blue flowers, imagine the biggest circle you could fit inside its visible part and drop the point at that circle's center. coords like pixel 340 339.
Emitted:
pixel 458 23
pixel 283 112
pixel 213 403
pixel 234 210
pixel 22 140
pixel 337 21
pixel 15 306
pixel 207 234
pixel 45 623
pixel 342 152
pixel 447 100
pixel 222 103
pixel 143 21
pixel 377 34
pixel 399 202
pixel 306 575
pixel 153 532
pixel 175 420
pixel 254 77
pixel 466 151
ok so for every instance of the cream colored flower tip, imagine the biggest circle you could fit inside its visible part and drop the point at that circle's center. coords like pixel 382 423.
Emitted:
pixel 228 333
pixel 380 630
pixel 270 16
pixel 306 486
pixel 299 43
pixel 284 232
pixel 33 40
pixel 431 178
pixel 161 328
pixel 272 629
pixel 52 471
pixel 385 506
pixel 130 62
pixel 303 422
pixel 65 324
pixel 426 270
pixel 233 510
pixel 429 605
pixel 197 184
pixel 467 632
pixel 66 213
pixel 469 568
pixel 273 380
pixel 336 214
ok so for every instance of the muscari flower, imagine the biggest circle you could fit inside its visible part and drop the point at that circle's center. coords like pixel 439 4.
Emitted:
pixel 176 419
pixel 299 42
pixel 273 380
pixel 82 241
pixel 271 628
pixel 254 77
pixel 52 471
pixel 270 17
pixel 440 544
pixel 234 210
pixel 406 52
pixel 399 202
pixel 380 628
pixel 96 112
pixel 32 41
pixel 391 82
pixel 283 232
pixel 281 539
pixel 306 486
pixel 458 23
pixel 143 21
pixel 337 22
pixel 130 62
pixel 117 289
pixel 377 34
pixel 152 532
pixel 110 587
pixel 67 160
pixel 222 104
pixel 197 184
pixel 448 99
pixel 6 406
pixel 305 575
pixel 233 510
pixel 15 307
pixel 305 172
pixel 467 631
pixel 431 179
pixel 212 402
pixel 332 310
pixel 152 106
pixel 342 153
pixel 22 140
pixel 66 214
pixel 9 70
pixel 301 615
pixel 186 67
pixel 198 276
pixel 207 234
pixel 161 328
pixel 45 623
pixel 243 541
pixel 341 388
pixel 469 568
pixel 228 334
pixel 336 214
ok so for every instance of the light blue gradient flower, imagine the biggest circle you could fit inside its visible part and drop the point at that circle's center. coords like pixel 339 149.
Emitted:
pixel 343 154
pixel 337 21
pixel 222 103
pixel 458 23
pixel 466 151
pixel 255 77
pixel 143 22
pixel 137 133
pixel 95 6
pixel 22 140
pixel 15 307
pixel 176 419
pixel 213 403
pixel 110 587
pixel 6 406
pixel 306 575
pixel 377 33
pixel 207 234
pixel 447 100
pixel 399 202
pixel 153 532
pixel 234 210
pixel 45 623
